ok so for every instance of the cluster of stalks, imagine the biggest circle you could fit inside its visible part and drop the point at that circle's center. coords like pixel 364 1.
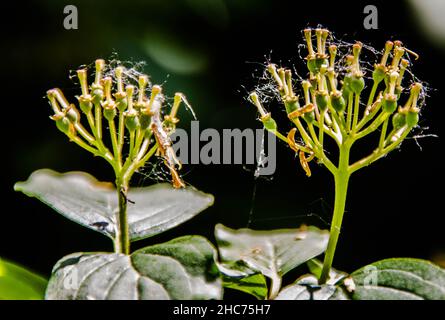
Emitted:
pixel 334 106
pixel 136 128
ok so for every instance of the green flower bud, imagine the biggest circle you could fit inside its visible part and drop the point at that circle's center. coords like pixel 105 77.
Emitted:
pixel 398 120
pixel 314 64
pixel 63 124
pixel 309 117
pixel 144 120
pixel 72 114
pixel 121 101
pixel 337 101
pixel 389 103
pixel 85 104
pixel 291 104
pixel 97 94
pixel 321 98
pixel 131 120
pixel 357 83
pixel 109 113
pixel 379 73
pixel 412 118
pixel 269 122
pixel 346 87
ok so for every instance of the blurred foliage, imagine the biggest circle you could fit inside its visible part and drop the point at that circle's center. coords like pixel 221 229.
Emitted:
pixel 18 283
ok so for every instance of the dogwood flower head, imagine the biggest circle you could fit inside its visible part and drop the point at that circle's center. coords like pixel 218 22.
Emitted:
pixel 333 102
pixel 129 115
pixel 333 105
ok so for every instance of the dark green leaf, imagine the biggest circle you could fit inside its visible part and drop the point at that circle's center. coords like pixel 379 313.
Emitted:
pixel 182 268
pixel 17 283
pixel 399 278
pixel 255 285
pixel 93 204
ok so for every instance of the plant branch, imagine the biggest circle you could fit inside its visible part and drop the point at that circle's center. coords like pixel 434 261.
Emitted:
pixel 341 178
pixel 122 240
pixel 378 153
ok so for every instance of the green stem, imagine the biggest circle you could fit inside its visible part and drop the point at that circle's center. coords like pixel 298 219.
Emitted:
pixel 121 133
pixel 314 135
pixel 378 153
pixel 383 133
pixel 368 117
pixel 373 126
pixel 98 118
pixel 130 152
pixel 321 128
pixel 98 138
pixel 114 142
pixel 356 111
pixel 138 142
pixel 84 133
pixel 137 163
pixel 349 115
pixel 328 131
pixel 372 93
pixel 122 241
pixel 341 178
pixel 90 119
pixel 307 140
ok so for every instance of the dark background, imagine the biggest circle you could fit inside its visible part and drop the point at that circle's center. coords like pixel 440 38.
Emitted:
pixel 206 49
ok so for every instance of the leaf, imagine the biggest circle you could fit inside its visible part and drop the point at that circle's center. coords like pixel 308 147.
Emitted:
pixel 93 204
pixel 316 266
pixel 182 268
pixel 399 279
pixel 255 285
pixel 18 283
pixel 307 288
pixel 272 253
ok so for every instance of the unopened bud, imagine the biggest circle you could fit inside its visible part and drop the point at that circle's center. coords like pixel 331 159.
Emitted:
pixel 268 122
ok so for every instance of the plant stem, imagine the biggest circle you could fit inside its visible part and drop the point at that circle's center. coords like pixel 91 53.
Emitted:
pixel 122 242
pixel 275 286
pixel 372 93
pixel 113 136
pixel 321 128
pixel 349 114
pixel 356 111
pixel 383 134
pixel 341 178
pixel 121 133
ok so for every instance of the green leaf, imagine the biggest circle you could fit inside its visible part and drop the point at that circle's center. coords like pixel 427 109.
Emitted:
pixel 255 285
pixel 182 268
pixel 272 253
pixel 18 283
pixel 93 204
pixel 399 278
pixel 316 266
pixel 307 288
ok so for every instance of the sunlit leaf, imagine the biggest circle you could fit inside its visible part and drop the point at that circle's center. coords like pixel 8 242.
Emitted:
pixel 398 279
pixel 272 253
pixel 182 268
pixel 93 204
pixel 307 288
